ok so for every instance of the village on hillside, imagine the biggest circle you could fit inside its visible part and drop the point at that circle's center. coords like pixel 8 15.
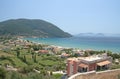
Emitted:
pixel 25 57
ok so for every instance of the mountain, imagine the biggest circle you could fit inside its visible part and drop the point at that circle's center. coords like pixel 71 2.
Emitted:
pixel 112 35
pixel 90 35
pixel 97 35
pixel 31 27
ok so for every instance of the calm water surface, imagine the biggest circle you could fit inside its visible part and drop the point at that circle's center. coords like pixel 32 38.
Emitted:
pixel 95 43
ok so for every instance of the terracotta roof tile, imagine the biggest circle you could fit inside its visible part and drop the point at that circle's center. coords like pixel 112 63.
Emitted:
pixel 103 63
pixel 83 65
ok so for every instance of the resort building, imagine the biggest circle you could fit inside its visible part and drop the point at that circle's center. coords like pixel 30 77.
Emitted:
pixel 85 64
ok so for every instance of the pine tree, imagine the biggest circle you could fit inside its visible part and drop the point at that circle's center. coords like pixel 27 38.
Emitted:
pixel 35 60
pixel 24 59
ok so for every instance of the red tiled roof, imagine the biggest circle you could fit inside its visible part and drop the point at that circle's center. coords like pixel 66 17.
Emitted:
pixel 103 63
pixel 64 54
pixel 83 65
pixel 43 51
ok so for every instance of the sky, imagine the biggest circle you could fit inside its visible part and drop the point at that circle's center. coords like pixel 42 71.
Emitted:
pixel 73 16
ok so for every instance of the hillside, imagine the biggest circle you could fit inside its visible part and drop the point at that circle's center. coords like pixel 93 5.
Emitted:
pixel 31 27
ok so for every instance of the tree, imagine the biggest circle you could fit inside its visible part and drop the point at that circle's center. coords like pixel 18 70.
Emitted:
pixel 35 60
pixel 27 69
pixel 44 72
pixel 25 58
pixel 86 54
pixel 35 47
pixel 18 52
pixel 68 51
pixel 51 73
pixel 75 55
pixel 109 53
pixel 29 50
pixel 2 73
pixel 32 54
pixel 15 75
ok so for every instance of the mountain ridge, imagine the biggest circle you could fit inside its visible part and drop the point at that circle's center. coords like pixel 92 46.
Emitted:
pixel 31 27
pixel 97 35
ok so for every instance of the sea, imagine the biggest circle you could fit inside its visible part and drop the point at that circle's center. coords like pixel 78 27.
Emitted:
pixel 93 43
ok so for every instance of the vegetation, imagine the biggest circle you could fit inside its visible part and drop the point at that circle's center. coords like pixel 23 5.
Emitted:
pixel 31 75
pixel 93 52
pixel 27 27
pixel 31 64
pixel 26 60
pixel 119 76
pixel 114 55
pixel 2 73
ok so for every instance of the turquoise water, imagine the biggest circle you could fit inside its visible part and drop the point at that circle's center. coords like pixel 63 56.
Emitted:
pixel 95 43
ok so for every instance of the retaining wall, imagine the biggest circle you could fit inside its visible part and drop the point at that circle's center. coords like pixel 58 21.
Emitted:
pixel 108 74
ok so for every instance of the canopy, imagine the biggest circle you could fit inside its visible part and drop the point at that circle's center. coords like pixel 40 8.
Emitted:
pixel 103 63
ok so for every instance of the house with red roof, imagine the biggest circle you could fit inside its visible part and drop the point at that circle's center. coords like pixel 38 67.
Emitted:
pixel 43 52
pixel 85 64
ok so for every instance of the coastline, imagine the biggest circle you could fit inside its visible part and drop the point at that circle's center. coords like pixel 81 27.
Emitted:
pixel 76 44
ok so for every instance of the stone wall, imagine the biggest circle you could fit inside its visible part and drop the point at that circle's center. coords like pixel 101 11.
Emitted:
pixel 109 74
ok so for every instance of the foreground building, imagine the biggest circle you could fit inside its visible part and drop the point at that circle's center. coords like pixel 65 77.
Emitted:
pixel 85 64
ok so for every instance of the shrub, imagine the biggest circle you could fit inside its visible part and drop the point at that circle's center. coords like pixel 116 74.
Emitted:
pixel 2 73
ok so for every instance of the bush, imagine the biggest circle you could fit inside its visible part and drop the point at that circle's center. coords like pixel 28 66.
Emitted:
pixel 2 73
pixel 27 69
pixel 57 76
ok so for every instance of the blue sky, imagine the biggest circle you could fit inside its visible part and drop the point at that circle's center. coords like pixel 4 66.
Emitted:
pixel 73 16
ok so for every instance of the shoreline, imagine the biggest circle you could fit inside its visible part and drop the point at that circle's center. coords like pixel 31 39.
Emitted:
pixel 95 48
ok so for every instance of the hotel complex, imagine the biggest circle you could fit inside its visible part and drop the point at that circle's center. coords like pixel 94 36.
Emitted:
pixel 85 64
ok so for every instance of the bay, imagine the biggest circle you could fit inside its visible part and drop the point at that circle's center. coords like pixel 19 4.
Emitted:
pixel 94 43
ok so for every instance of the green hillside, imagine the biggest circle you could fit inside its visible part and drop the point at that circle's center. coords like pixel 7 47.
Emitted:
pixel 31 27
